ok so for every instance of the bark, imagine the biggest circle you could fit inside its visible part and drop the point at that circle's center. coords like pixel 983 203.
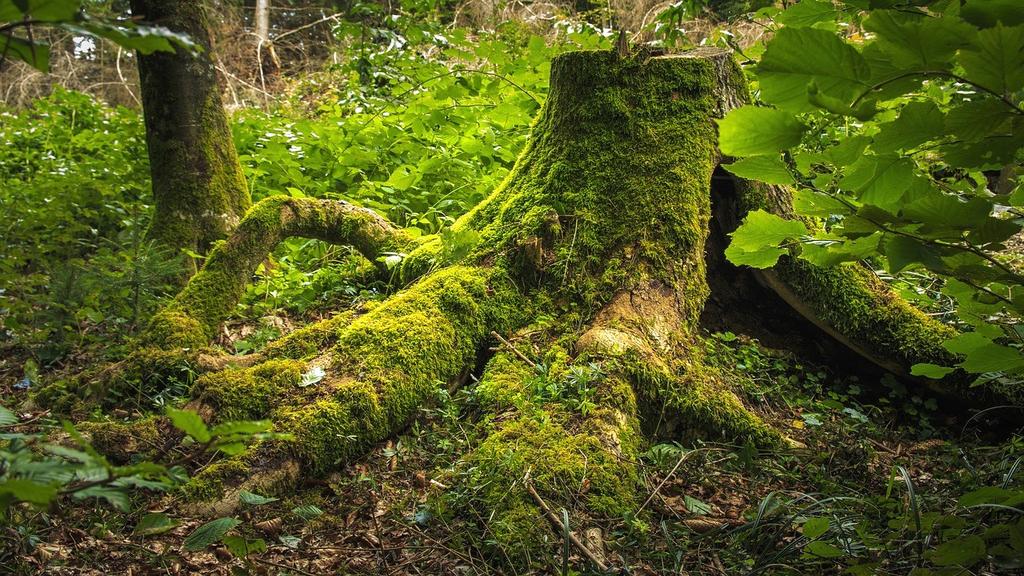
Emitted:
pixel 199 191
pixel 591 257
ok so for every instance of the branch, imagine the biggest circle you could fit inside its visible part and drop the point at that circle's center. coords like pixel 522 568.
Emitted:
pixel 563 529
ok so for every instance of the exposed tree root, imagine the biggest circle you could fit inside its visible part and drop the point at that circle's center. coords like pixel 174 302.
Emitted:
pixel 590 257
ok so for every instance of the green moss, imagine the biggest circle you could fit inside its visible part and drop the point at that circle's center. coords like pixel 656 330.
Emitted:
pixel 249 393
pixel 862 308
pixel 125 442
pixel 309 340
pixel 210 482
pixel 692 399
pixel 567 469
pixel 390 361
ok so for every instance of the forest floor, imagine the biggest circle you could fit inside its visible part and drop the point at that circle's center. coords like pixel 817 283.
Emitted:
pixel 712 508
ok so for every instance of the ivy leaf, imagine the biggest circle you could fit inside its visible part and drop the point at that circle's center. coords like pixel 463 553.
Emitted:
pixel 756 242
pixel 994 59
pixel 768 169
pixel 753 131
pixel 209 533
pixel 797 56
pixel 190 423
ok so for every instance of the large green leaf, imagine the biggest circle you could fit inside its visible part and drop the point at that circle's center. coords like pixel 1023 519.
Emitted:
pixel 210 533
pixel 48 10
pixel 36 54
pixel 28 490
pixel 807 13
pixel 769 169
pixel 880 180
pixel 977 119
pixel 965 552
pixel 756 242
pixel 795 57
pixel 939 210
pixel 190 423
pixel 917 41
pixel 918 122
pixel 986 13
pixel 995 59
pixel 753 131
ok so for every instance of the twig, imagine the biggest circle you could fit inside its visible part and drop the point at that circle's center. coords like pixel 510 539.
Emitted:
pixel 514 350
pixel 665 479
pixel 282 566
pixel 563 528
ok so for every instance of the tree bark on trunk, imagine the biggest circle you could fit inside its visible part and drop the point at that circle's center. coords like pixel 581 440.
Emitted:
pixel 199 190
pixel 590 259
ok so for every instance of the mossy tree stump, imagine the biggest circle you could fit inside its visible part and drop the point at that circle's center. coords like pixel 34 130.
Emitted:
pixel 589 258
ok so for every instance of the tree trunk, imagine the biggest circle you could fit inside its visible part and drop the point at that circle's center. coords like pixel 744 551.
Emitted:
pixel 198 187
pixel 590 258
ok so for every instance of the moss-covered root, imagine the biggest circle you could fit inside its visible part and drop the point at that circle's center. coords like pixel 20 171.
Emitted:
pixel 583 461
pixel 193 317
pixel 383 366
pixel 848 301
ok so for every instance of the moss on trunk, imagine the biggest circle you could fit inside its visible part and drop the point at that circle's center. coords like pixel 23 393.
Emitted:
pixel 592 253
pixel 198 187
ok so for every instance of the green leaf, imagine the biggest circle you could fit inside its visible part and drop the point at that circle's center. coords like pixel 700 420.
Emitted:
pixel 986 13
pixel 824 550
pixel 982 354
pixel 965 552
pixel 936 209
pixel 251 499
pixel 152 524
pixel 880 180
pixel 994 60
pixel 209 533
pixel 241 546
pixel 51 10
pixel 768 169
pixel 35 54
pixel 7 418
pixel 797 56
pixel 190 423
pixel 918 122
pixel 933 371
pixel 815 527
pixel 902 252
pixel 807 13
pixel 830 254
pixel 812 203
pixel 307 512
pixel 753 131
pixel 978 119
pixel 28 491
pixel 241 427
pixel 918 41
pixel 756 242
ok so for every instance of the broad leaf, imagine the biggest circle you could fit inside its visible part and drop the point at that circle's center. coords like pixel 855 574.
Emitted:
pixel 918 122
pixel 994 59
pixel 209 533
pixel 753 131
pixel 795 57
pixel 156 523
pixel 28 490
pixel 190 423
pixel 756 242
pixel 965 552
pixel 917 41
pixel 35 54
pixel 768 169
